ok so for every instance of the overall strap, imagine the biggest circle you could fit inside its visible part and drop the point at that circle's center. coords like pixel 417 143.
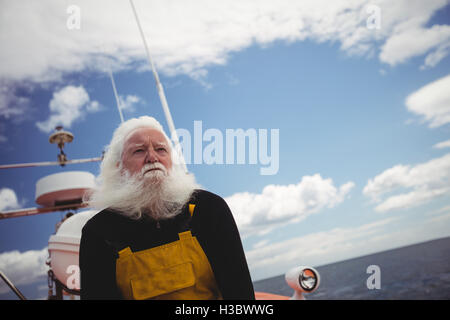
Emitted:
pixel 188 234
pixel 191 208
pixel 186 225
pixel 125 252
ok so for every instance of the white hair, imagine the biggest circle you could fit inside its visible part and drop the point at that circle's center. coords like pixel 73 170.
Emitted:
pixel 159 194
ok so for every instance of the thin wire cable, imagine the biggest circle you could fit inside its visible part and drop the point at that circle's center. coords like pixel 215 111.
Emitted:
pixel 119 105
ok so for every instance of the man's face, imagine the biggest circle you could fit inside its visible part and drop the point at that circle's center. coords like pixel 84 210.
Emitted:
pixel 144 146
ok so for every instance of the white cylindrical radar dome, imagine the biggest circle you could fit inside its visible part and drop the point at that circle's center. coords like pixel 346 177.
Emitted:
pixel 63 188
pixel 64 248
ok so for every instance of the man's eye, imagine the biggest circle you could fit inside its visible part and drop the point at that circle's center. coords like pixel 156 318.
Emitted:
pixel 161 149
pixel 138 150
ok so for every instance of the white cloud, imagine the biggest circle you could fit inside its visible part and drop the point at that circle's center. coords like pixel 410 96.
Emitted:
pixel 411 199
pixel 278 205
pixel 442 145
pixel 315 249
pixel 427 180
pixel 68 105
pixel 8 199
pixel 432 102
pixel 412 39
pixel 438 212
pixel 188 37
pixel 432 59
pixel 12 106
pixel 93 106
pixel 129 102
pixel 23 268
pixel 261 244
pixel 442 218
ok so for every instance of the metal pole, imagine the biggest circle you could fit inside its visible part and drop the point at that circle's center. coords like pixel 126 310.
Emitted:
pixel 162 96
pixel 34 211
pixel 48 163
pixel 12 286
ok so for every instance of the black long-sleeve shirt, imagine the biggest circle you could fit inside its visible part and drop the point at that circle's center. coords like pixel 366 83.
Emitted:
pixel 212 223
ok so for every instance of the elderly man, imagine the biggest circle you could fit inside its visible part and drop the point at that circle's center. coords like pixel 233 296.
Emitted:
pixel 158 236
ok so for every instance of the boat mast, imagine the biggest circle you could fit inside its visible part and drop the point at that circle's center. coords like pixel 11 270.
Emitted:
pixel 162 96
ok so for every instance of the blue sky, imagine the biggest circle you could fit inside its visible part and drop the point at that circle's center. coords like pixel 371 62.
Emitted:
pixel 363 116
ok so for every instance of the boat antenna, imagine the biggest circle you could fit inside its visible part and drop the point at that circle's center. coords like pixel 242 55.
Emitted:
pixel 107 66
pixel 162 96
pixel 119 106
pixel 60 138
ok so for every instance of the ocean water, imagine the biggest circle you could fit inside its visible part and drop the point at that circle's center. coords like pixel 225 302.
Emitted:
pixel 416 272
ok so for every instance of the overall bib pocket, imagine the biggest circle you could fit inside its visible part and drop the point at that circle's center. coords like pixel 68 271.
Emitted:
pixel 163 281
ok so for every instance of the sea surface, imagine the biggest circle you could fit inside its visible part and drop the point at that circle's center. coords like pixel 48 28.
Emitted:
pixel 415 272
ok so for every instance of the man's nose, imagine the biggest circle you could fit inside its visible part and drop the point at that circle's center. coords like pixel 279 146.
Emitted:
pixel 152 156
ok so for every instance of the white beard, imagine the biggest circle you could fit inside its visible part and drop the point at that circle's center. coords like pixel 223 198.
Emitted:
pixel 157 194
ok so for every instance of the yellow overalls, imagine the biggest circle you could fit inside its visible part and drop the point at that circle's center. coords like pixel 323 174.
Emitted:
pixel 178 270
